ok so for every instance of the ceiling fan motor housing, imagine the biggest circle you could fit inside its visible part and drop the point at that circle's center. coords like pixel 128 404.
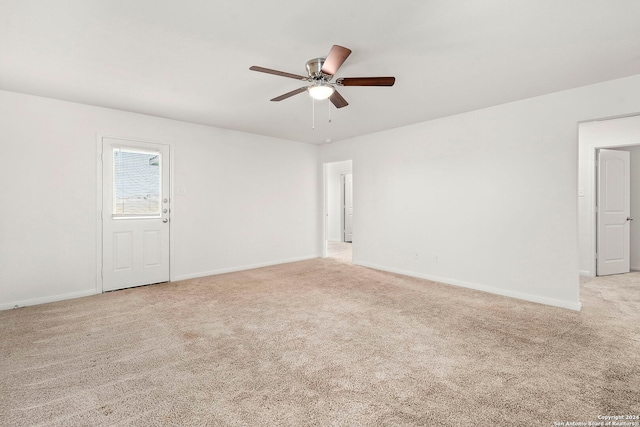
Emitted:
pixel 314 68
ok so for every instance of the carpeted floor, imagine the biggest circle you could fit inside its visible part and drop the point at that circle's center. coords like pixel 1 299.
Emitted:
pixel 340 251
pixel 320 342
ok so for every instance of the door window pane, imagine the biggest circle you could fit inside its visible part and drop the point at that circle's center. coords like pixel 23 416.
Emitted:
pixel 136 183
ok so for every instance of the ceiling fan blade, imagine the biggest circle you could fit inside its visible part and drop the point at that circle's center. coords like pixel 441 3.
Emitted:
pixel 335 59
pixel 366 81
pixel 277 73
pixel 290 94
pixel 338 100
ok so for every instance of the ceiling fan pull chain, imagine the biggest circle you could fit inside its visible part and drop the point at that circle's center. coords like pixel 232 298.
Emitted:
pixel 329 112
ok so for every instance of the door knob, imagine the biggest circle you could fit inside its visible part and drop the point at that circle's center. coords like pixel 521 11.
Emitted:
pixel 629 218
pixel 165 220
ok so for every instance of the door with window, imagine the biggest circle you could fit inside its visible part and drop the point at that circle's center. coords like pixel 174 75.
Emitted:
pixel 135 213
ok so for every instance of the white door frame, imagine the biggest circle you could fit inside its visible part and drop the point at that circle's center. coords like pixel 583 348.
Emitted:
pixel 593 135
pixel 99 186
pixel 325 213
pixel 342 176
pixel 325 207
pixel 343 209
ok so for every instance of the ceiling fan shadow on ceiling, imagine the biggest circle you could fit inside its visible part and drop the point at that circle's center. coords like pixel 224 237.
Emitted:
pixel 321 72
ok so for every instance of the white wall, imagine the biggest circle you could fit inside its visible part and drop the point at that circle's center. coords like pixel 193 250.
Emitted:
pixel 592 135
pixel 334 173
pixel 490 193
pixel 249 200
pixel 635 206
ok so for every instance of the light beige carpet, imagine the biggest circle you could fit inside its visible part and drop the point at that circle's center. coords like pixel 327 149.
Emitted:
pixel 340 251
pixel 323 343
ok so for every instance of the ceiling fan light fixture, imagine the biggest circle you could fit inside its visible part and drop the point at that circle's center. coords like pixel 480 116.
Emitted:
pixel 321 91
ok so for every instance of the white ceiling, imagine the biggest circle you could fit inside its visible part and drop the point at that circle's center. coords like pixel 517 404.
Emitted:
pixel 189 59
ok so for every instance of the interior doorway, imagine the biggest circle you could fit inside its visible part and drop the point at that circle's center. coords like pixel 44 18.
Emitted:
pixel 339 211
pixel 622 134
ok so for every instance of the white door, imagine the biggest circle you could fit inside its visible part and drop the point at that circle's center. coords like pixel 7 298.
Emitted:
pixel 348 207
pixel 135 213
pixel 614 208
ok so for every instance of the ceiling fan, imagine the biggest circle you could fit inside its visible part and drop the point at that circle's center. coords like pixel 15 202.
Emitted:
pixel 320 72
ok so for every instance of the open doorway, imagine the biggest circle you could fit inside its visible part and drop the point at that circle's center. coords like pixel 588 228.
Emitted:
pixel 621 134
pixel 625 220
pixel 339 210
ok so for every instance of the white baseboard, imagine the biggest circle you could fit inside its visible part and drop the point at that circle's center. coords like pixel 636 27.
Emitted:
pixel 527 297
pixel 44 300
pixel 589 274
pixel 241 268
pixel 519 295
pixel 72 295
